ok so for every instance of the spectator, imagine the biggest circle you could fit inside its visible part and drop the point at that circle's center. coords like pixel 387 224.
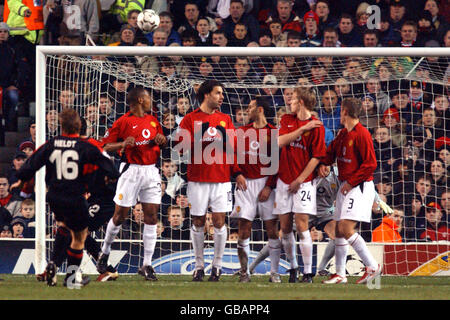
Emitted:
pixel 7 199
pixel 390 228
pixel 160 229
pixel 279 38
pixel 170 174
pixel 384 188
pixel 88 22
pixel 425 147
pixel 107 114
pixel 188 38
pixel 191 15
pixel 397 14
pixel 27 147
pixel 430 123
pixel 400 101
pixel 237 14
pixel 177 224
pixel 204 33
pixel 385 151
pixel 18 161
pixel 319 74
pixel 311 33
pixel 330 111
pixel 439 22
pixel 348 35
pixel 11 79
pixel 391 119
pixel 127 36
pixel 289 19
pixel 403 185
pixel 426 30
pixel 5 232
pixel 240 36
pixel 265 39
pixel 240 117
pixel 434 228
pixel 219 38
pixel 113 20
pixel 387 35
pixel 342 88
pixel 361 17
pixel 369 116
pixel 26 25
pixel 183 108
pixel 166 23
pixel 322 10
pixel 408 33
pixel 32 131
pixel 272 92
pixel 370 39
pixel 27 212
pixel 18 228
pixel 374 90
pixel 444 156
pixel 133 228
pixel 437 172
pixel 330 38
pixel 445 204
pixel 419 100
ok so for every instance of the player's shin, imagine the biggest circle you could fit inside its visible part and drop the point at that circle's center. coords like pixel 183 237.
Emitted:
pixel 111 232
pixel 274 253
pixel 60 245
pixel 262 255
pixel 359 245
pixel 306 251
pixel 243 248
pixel 220 241
pixel 149 239
pixel 288 241
pixel 198 243
pixel 92 247
pixel 341 255
pixel 327 255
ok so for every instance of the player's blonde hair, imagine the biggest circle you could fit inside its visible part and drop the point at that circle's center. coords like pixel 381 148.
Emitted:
pixel 308 96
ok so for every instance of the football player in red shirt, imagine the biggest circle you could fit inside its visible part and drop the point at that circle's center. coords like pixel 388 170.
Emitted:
pixel 354 154
pixel 139 135
pixel 301 150
pixel 203 133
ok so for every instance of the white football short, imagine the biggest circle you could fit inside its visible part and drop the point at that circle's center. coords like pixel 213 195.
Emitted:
pixel 303 201
pixel 204 195
pixel 138 183
pixel 246 204
pixel 357 204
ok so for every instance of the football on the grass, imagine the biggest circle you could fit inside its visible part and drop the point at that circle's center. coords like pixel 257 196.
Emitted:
pixel 148 20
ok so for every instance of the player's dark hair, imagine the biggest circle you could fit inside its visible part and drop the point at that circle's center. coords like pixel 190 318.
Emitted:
pixel 70 121
pixel 264 103
pixel 134 95
pixel 207 87
pixel 353 107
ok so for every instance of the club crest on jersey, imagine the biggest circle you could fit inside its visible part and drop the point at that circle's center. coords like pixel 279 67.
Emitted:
pixel 223 123
pixel 238 209
pixel 120 196
pixel 146 133
pixel 306 133
pixel 350 143
pixel 153 124
pixel 333 186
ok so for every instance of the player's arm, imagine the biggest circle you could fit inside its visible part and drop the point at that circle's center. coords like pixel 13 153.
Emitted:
pixel 103 162
pixel 329 159
pixel 310 167
pixel 116 146
pixel 286 138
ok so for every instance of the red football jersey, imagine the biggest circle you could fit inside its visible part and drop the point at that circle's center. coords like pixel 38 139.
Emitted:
pixel 143 130
pixel 203 167
pixel 295 156
pixel 251 149
pixel 354 154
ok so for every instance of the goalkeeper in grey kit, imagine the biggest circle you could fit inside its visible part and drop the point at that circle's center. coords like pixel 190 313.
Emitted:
pixel 327 189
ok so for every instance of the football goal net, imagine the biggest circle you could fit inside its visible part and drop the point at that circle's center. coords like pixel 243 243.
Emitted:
pixel 405 105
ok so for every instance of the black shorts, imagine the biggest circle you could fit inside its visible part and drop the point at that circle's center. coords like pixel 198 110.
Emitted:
pixel 72 210
pixel 100 212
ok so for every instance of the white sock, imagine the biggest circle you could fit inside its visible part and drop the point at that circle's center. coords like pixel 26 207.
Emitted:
pixel 327 255
pixel 149 238
pixel 198 243
pixel 220 241
pixel 288 241
pixel 111 232
pixel 275 252
pixel 341 255
pixel 243 247
pixel 306 251
pixel 359 245
pixel 263 254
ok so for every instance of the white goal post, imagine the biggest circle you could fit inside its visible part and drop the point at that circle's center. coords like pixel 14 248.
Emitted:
pixel 43 51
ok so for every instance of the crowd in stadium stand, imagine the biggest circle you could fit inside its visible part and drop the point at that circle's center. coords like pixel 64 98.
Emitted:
pixel 409 118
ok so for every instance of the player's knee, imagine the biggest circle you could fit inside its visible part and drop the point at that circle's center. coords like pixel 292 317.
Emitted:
pixel 150 218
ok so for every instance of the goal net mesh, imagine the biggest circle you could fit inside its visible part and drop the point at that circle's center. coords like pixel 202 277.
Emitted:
pixel 405 107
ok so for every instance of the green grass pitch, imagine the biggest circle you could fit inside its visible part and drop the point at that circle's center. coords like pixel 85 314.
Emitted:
pixel 177 287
